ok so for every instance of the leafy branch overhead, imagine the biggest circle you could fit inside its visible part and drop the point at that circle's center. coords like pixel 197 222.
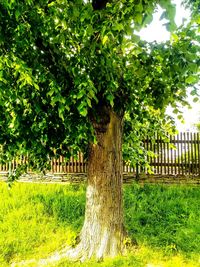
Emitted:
pixel 61 61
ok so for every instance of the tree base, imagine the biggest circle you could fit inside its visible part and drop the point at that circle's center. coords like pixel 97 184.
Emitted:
pixel 81 253
pixel 106 247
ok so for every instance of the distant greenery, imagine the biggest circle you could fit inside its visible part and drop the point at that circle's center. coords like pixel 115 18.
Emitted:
pixel 37 219
pixel 197 125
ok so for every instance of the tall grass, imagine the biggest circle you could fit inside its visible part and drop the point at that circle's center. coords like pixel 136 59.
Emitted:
pixel 164 217
pixel 37 219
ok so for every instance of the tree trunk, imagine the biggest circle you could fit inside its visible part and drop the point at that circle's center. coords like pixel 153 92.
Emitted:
pixel 103 231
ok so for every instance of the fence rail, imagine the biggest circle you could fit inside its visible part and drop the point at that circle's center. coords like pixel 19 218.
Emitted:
pixel 180 156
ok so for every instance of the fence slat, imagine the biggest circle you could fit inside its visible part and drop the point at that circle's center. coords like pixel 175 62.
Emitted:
pixel 196 153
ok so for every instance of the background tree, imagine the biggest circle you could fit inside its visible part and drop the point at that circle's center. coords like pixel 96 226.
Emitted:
pixel 198 127
pixel 70 72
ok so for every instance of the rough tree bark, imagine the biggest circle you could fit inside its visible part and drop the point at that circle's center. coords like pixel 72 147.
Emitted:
pixel 103 232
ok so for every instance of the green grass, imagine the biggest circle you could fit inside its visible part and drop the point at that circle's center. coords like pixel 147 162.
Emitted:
pixel 37 219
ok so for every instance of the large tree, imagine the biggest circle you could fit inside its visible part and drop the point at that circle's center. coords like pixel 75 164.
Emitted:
pixel 70 72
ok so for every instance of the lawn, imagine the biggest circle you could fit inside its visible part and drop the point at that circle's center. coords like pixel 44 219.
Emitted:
pixel 37 219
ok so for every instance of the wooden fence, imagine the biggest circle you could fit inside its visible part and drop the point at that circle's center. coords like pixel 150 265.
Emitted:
pixel 180 156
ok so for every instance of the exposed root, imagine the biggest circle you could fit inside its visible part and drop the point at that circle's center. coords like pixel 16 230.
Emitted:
pixel 49 261
pixel 95 241
pixel 80 253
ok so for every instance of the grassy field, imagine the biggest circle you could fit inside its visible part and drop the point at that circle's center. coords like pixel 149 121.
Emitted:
pixel 37 219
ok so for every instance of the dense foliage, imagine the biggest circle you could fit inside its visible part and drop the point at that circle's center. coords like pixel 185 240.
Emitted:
pixel 62 61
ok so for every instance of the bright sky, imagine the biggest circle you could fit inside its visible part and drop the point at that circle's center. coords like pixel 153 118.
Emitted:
pixel 156 32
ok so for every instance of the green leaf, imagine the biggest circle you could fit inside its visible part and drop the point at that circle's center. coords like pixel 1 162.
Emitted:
pixel 193 67
pixel 174 38
pixel 110 98
pixel 90 30
pixel 171 11
pixel 36 86
pixel 135 38
pixel 139 18
pixel 196 99
pixel 76 13
pixel 61 114
pixel 176 111
pixel 180 117
pixel 81 93
pixel 163 15
pixel 139 7
pixel 191 79
pixel 17 14
pixel 170 26
pixel 193 92
pixel 147 19
pixel 89 102
pixel 118 27
pixel 82 108
pixel 83 112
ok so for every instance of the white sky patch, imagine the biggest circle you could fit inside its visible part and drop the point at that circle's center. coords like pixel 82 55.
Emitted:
pixel 157 32
pixel 191 116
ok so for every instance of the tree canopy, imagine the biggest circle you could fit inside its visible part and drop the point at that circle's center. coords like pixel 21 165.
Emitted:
pixel 71 74
pixel 62 61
